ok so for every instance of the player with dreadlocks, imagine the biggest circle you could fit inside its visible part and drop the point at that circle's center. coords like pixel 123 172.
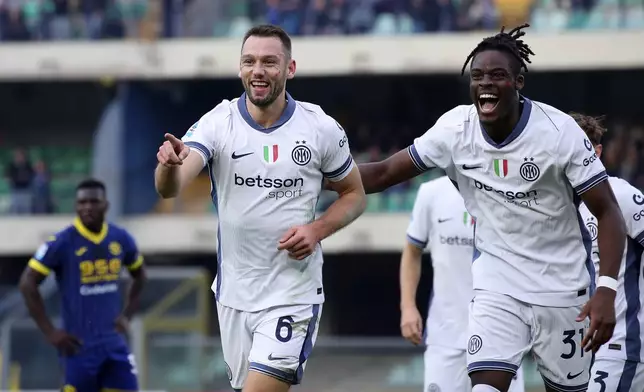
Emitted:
pixel 522 168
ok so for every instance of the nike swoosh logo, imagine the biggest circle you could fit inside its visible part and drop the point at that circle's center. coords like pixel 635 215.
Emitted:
pixel 273 358
pixel 443 220
pixel 470 167
pixel 570 376
pixel 235 156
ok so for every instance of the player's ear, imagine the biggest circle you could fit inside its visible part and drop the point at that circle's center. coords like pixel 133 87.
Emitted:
pixel 290 69
pixel 598 150
pixel 519 82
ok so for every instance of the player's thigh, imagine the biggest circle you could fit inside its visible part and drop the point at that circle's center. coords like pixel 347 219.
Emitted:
pixel 236 343
pixel 283 340
pixel 616 375
pixel 499 338
pixel 119 373
pixel 445 370
pixel 80 373
pixel 562 362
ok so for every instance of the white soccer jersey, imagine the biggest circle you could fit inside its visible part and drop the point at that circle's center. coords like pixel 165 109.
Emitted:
pixel 441 224
pixel 628 336
pixel 523 193
pixel 264 182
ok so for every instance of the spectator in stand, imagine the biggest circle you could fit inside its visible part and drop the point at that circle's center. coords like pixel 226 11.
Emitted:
pixel 20 175
pixel 42 200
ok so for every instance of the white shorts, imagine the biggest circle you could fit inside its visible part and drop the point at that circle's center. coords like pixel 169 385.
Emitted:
pixel 446 370
pixel 276 341
pixel 503 330
pixel 616 375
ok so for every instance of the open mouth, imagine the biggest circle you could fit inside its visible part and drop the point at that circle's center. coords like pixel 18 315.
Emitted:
pixel 259 84
pixel 488 102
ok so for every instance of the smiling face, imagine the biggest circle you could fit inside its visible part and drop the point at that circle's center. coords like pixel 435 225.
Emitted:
pixel 264 67
pixel 494 84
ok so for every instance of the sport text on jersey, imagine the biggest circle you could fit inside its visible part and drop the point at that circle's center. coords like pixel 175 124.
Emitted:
pixel 100 276
pixel 280 188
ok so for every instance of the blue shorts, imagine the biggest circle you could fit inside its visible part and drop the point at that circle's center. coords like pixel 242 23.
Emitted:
pixel 100 367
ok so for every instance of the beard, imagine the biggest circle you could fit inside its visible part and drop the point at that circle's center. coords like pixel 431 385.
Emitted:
pixel 273 94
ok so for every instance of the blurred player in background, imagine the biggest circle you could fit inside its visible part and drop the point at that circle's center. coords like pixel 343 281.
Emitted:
pixel 267 155
pixel 87 258
pixel 618 365
pixel 441 223
pixel 522 168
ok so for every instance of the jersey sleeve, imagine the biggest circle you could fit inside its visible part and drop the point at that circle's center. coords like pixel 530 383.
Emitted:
pixel 204 136
pixel 434 147
pixel 419 226
pixel 337 161
pixel 631 202
pixel 132 258
pixel 577 157
pixel 48 256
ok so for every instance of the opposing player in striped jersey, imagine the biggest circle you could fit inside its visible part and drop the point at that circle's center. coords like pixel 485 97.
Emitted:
pixel 522 167
pixel 441 224
pixel 267 155
pixel 619 365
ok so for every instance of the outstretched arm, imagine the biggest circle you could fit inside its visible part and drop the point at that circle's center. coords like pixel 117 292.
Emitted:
pixel 378 176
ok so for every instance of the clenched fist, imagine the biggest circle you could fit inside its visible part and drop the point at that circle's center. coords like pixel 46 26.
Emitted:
pixel 172 152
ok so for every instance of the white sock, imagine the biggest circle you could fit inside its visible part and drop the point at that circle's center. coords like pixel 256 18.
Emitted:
pixel 484 388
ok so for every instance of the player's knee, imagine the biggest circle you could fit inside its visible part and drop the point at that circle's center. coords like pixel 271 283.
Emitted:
pixel 496 380
pixel 484 388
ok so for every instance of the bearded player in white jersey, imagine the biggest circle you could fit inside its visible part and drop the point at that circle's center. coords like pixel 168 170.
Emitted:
pixel 267 155
pixel 522 168
pixel 619 365
pixel 441 224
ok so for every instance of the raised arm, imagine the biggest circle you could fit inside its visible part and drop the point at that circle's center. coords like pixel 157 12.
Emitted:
pixel 177 167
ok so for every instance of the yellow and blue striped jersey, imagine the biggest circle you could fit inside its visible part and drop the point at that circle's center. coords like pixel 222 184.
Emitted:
pixel 88 268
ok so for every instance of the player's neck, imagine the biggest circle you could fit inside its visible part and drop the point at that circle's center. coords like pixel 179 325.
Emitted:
pixel 501 129
pixel 95 227
pixel 267 116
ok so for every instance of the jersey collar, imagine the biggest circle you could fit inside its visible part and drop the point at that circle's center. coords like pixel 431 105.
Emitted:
pixel 286 115
pixel 96 238
pixel 518 129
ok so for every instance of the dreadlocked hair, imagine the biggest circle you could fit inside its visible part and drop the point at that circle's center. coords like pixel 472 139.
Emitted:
pixel 592 126
pixel 508 42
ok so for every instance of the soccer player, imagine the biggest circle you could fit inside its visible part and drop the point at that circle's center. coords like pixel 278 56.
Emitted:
pixel 267 155
pixel 618 365
pixel 522 166
pixel 87 258
pixel 440 222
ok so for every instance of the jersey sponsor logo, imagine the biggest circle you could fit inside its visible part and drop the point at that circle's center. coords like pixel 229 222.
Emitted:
pixel 590 159
pixel 592 229
pixel 237 156
pixel 301 154
pixel 573 376
pixel 638 215
pixel 471 167
pixel 588 145
pixel 529 170
pixel 81 251
pixel 343 141
pixel 457 241
pixel 99 271
pixel 501 167
pixel 441 220
pixel 281 187
pixel 527 199
pixel 270 153
pixel 474 345
pixel 99 289
pixel 638 199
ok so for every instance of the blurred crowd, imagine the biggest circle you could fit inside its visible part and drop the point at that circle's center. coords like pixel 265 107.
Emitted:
pixel 22 20
pixel 27 185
